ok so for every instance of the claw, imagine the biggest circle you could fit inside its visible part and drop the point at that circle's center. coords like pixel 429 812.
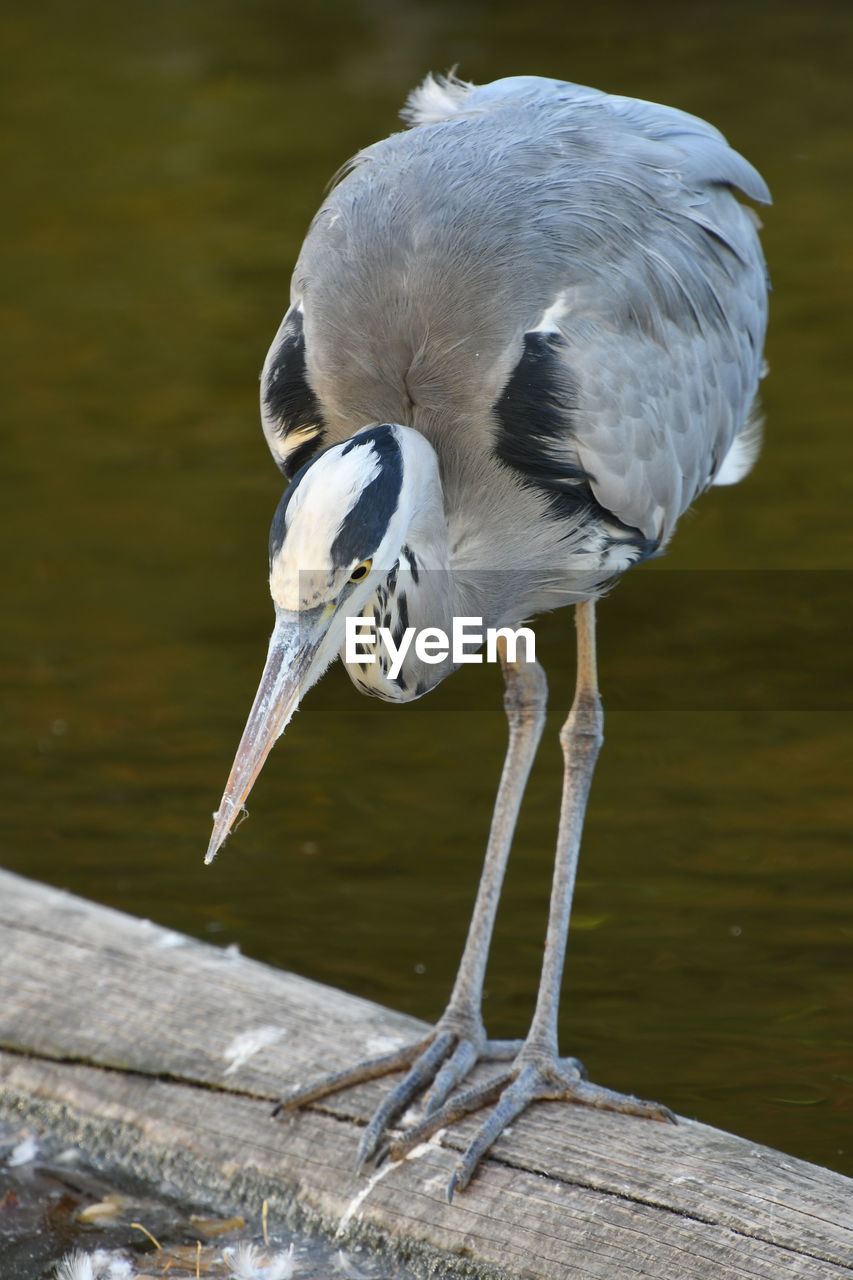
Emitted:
pixel 420 1073
pixel 594 1095
pixel 383 1153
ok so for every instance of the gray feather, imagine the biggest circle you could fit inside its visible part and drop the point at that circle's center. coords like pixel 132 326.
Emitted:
pixel 611 221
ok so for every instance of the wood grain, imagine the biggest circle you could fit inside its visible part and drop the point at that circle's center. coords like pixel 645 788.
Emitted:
pixel 164 1053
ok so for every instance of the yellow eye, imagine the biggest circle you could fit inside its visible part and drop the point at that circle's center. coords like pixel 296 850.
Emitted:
pixel 360 571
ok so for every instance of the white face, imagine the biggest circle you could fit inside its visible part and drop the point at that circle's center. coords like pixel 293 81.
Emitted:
pixel 341 513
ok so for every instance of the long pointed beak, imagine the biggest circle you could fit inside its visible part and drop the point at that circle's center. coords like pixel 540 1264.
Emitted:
pixel 296 659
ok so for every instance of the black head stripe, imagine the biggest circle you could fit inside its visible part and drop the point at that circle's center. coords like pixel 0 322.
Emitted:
pixel 278 525
pixel 364 525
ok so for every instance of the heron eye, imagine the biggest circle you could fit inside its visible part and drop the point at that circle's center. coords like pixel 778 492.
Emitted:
pixel 360 571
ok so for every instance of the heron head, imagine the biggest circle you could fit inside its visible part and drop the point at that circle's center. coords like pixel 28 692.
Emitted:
pixel 340 519
pixel 336 534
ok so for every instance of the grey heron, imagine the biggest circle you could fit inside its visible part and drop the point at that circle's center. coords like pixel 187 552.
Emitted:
pixel 523 336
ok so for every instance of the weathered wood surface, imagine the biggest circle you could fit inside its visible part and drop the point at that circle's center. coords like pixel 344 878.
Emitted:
pixel 164 1053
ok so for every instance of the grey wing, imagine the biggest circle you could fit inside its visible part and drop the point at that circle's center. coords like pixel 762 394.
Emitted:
pixel 665 395
pixel 665 399
pixel 639 380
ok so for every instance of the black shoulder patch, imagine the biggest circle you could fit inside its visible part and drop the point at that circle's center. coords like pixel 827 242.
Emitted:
pixel 535 426
pixel 364 525
pixel 290 406
pixel 534 414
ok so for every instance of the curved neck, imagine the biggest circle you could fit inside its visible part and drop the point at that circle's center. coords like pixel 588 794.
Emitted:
pixel 431 611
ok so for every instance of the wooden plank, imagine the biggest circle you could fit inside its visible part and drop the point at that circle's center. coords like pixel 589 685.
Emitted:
pixel 113 1024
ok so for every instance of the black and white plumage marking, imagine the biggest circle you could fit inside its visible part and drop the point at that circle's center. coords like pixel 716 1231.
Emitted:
pixel 524 336
pixel 290 412
pixel 357 522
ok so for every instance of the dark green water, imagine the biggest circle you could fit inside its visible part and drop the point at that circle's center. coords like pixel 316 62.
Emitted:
pixel 161 162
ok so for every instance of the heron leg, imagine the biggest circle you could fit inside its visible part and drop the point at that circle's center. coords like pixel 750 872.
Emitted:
pixel 580 738
pixel 538 1072
pixel 525 700
pixel 444 1058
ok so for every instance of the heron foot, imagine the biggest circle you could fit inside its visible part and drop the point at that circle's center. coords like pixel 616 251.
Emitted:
pixel 440 1062
pixel 436 1064
pixel 514 1090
